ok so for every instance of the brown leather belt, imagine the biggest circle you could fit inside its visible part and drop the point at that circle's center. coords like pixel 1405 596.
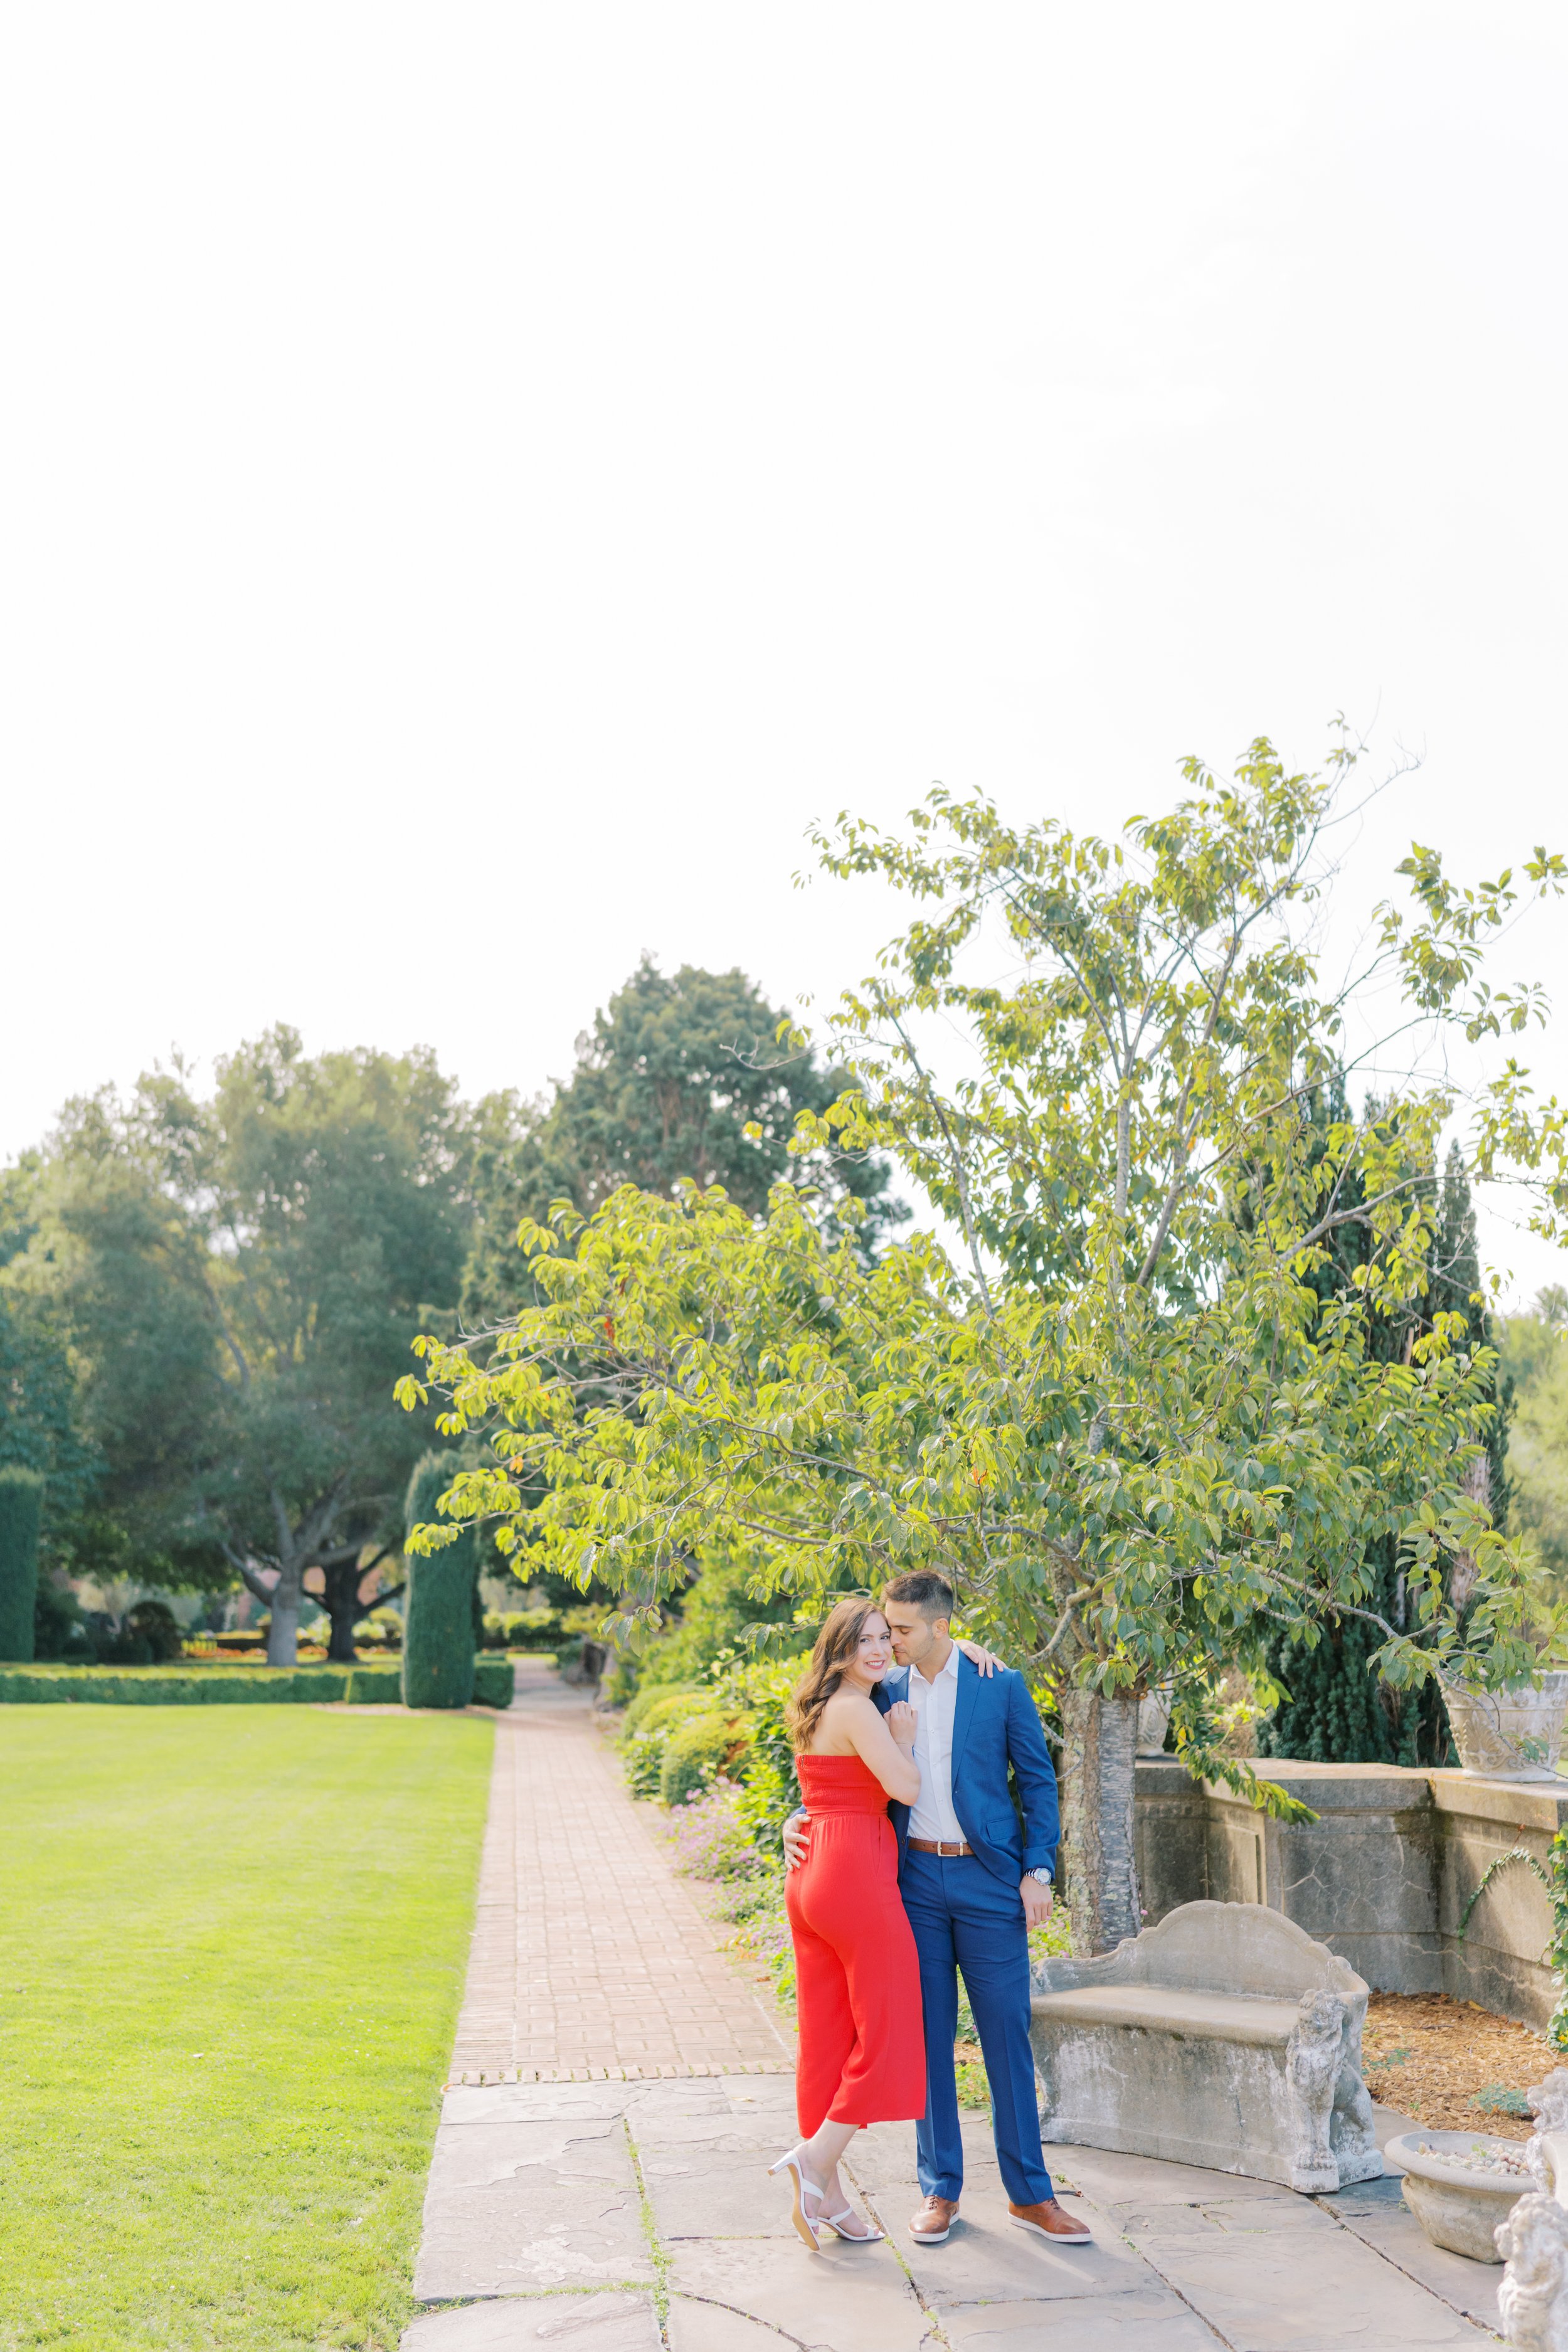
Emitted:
pixel 937 1845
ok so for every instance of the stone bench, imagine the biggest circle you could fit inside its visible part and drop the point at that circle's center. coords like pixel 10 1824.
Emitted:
pixel 1223 2037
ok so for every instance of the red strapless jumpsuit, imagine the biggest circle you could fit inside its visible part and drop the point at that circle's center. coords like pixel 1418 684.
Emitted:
pixel 862 2045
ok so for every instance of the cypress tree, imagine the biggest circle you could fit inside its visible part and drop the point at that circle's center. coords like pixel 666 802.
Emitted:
pixel 438 1614
pixel 1456 1290
pixel 1337 1711
pixel 21 1506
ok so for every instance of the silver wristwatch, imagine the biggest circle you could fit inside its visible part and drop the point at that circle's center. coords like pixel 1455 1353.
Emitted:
pixel 1042 1876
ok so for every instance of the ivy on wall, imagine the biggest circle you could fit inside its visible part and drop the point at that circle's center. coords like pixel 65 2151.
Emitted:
pixel 1553 1876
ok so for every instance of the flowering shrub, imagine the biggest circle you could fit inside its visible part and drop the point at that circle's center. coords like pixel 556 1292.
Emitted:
pixel 761 1930
pixel 755 1755
pixel 649 1730
pixel 758 1691
pixel 642 1757
pixel 713 1838
pixel 708 1837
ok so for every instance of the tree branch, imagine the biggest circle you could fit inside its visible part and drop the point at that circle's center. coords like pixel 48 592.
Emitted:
pixel 955 1160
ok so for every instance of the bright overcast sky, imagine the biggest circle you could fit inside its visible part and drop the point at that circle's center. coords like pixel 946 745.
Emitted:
pixel 478 479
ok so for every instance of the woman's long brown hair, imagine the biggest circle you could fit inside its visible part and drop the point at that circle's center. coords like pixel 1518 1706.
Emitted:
pixel 835 1647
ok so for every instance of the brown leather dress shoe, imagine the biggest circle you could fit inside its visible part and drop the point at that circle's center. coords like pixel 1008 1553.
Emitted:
pixel 935 2218
pixel 1050 2220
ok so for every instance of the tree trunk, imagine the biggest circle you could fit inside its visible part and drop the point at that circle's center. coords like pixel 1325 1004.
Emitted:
pixel 283 1633
pixel 342 1604
pixel 1099 1741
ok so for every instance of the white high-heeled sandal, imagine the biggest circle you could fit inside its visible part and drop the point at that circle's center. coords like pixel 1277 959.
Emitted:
pixel 804 2187
pixel 869 2236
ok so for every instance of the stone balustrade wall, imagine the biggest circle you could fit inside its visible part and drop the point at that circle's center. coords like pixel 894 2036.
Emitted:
pixel 1383 1876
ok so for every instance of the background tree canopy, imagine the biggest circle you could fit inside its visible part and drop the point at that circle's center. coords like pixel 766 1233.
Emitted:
pixel 1535 1355
pixel 236 1279
pixel 206 1298
pixel 681 1076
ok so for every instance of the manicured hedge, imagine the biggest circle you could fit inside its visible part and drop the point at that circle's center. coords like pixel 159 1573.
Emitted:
pixel 495 1679
pixel 523 1629
pixel 438 1627
pixel 375 1685
pixel 202 1685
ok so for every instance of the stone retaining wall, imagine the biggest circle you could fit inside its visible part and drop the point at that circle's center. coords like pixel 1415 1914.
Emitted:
pixel 1382 1877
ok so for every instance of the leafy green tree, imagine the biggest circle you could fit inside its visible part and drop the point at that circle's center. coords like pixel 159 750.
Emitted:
pixel 1535 1351
pixel 40 1425
pixel 115 1270
pixel 729 1606
pixel 1131 1430
pixel 239 1277
pixel 682 1077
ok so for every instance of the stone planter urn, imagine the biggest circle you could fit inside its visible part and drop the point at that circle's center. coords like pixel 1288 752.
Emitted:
pixel 1154 1721
pixel 1459 2204
pixel 1509 1735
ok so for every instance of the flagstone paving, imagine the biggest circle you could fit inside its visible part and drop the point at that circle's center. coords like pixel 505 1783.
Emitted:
pixel 629 2210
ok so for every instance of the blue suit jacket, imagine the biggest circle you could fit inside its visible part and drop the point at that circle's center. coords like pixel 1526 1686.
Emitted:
pixel 995 1725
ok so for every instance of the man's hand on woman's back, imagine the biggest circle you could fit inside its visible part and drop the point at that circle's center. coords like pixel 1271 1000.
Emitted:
pixel 794 1839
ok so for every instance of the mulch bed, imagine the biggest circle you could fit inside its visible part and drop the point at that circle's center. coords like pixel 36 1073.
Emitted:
pixel 1432 2058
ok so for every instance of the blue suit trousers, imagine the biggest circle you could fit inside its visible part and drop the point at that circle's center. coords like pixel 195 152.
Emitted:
pixel 965 1917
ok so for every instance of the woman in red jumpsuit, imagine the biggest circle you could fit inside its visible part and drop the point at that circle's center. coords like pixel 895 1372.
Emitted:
pixel 862 2047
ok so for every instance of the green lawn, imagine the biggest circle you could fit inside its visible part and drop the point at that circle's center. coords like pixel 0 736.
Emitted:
pixel 232 1943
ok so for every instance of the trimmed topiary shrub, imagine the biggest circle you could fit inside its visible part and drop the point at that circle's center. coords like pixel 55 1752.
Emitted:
pixel 21 1503
pixel 694 1755
pixel 438 1611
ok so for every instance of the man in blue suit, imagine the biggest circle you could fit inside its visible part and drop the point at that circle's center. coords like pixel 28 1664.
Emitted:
pixel 975 1868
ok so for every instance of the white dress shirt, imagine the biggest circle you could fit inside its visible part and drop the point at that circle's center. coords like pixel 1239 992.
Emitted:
pixel 934 1703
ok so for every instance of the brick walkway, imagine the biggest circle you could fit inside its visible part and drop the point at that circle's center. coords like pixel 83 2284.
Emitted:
pixel 590 1957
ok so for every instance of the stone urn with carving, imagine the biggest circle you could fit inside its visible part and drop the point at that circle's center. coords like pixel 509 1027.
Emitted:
pixel 1154 1719
pixel 1509 1735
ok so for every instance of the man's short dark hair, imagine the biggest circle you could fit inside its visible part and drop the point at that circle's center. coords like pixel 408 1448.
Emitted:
pixel 925 1590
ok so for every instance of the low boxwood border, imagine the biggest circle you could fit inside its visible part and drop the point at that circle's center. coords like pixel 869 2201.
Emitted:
pixel 375 1685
